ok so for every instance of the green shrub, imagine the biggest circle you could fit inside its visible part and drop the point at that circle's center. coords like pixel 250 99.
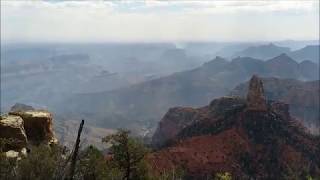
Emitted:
pixel 92 165
pixel 128 155
pixel 7 167
pixel 43 162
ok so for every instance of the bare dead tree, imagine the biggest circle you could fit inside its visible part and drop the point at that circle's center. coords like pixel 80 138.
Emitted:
pixel 75 152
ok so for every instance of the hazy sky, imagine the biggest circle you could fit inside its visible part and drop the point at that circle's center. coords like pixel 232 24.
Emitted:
pixel 81 21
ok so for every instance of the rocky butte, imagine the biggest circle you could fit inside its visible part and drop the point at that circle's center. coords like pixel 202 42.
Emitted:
pixel 250 138
pixel 302 97
pixel 255 98
pixel 20 128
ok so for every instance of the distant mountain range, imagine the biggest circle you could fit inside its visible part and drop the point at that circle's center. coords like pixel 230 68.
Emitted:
pixel 142 105
pixel 262 51
pixel 310 52
pixel 307 53
pixel 42 74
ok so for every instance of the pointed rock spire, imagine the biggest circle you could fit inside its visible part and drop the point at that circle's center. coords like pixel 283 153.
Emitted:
pixel 255 98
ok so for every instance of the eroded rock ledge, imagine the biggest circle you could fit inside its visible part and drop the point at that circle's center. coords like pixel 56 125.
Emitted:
pixel 20 128
pixel 12 129
pixel 38 125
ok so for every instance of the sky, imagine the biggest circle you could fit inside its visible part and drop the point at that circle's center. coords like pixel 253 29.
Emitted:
pixel 158 21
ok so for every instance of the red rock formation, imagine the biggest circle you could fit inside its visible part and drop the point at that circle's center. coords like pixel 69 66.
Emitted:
pixel 250 142
pixel 255 98
pixel 179 118
pixel 301 96
pixel 173 122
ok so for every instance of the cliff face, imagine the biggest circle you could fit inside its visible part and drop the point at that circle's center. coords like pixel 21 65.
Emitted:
pixel 23 127
pixel 179 120
pixel 230 135
pixel 173 122
pixel 12 127
pixel 38 125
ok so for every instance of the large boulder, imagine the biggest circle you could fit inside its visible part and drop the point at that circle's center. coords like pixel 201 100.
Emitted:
pixel 12 131
pixel 38 126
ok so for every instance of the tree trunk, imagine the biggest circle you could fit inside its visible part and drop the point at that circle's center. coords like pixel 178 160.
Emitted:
pixel 75 153
pixel 128 168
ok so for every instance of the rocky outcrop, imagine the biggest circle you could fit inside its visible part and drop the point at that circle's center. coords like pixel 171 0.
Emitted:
pixel 301 96
pixel 280 108
pixel 12 129
pixel 226 104
pixel 38 125
pixel 23 127
pixel 231 135
pixel 180 120
pixel 173 122
pixel 255 98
